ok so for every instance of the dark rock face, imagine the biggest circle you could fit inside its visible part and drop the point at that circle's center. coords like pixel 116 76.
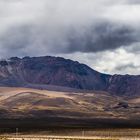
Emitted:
pixel 50 71
pixel 124 84
pixel 63 72
pixel 121 105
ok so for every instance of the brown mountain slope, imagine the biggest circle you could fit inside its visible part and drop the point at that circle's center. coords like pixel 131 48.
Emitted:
pixel 44 72
pixel 49 71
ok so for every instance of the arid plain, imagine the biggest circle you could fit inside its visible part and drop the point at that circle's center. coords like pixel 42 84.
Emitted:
pixel 27 102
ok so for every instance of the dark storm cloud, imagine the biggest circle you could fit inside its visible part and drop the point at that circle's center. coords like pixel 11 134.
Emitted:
pixel 102 37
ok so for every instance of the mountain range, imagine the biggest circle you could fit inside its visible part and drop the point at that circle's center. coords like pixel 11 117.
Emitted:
pixel 56 73
pixel 42 92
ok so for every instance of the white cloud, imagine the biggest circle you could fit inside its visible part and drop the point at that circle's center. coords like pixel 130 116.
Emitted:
pixel 119 61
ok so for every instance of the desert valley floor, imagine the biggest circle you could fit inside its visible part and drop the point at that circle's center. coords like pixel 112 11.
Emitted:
pixel 43 108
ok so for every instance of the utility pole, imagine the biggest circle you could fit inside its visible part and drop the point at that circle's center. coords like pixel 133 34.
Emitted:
pixel 83 133
pixel 16 132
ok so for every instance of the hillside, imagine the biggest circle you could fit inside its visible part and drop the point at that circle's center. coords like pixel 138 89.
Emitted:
pixel 43 72
pixel 66 108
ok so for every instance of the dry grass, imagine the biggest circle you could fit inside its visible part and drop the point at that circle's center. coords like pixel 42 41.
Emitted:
pixel 104 134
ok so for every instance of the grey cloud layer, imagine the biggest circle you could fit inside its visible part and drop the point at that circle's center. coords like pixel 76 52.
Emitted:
pixel 130 65
pixel 102 37
pixel 46 27
pixel 92 39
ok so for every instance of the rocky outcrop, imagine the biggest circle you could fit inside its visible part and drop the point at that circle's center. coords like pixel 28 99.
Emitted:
pixel 124 84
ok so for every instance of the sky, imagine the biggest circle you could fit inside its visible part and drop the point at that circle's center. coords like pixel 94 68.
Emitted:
pixel 104 34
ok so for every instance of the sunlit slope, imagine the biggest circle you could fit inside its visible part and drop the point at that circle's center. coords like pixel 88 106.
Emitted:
pixel 33 103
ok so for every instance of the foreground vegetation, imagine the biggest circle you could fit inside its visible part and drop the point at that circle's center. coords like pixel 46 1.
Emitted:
pixel 75 134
